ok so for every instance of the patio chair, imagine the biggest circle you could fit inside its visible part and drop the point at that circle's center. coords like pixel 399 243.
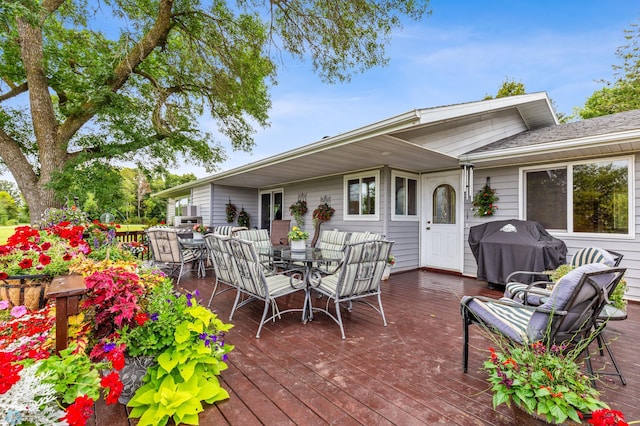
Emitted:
pixel 358 277
pixel 331 240
pixel 252 281
pixel 279 231
pixel 520 287
pixel 218 247
pixel 534 294
pixel 569 314
pixel 358 237
pixel 167 252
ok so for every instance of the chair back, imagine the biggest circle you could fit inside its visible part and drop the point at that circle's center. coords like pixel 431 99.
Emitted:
pixel 259 237
pixel 165 246
pixel 358 237
pixel 361 269
pixel 587 255
pixel 332 240
pixel 247 269
pixel 582 294
pixel 218 246
pixel 279 231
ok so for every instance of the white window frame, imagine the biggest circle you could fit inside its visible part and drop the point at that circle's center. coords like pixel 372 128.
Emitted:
pixel 367 217
pixel 404 217
pixel 569 165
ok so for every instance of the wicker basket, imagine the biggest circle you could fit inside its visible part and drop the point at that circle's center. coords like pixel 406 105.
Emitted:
pixel 27 290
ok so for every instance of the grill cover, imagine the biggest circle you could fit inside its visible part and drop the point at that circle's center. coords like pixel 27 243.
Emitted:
pixel 505 246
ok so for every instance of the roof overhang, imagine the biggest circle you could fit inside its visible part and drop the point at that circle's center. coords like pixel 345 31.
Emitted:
pixel 571 149
pixel 373 146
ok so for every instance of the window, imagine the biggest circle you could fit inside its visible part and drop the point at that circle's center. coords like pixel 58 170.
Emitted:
pixel 444 205
pixel 587 197
pixel 405 196
pixel 361 196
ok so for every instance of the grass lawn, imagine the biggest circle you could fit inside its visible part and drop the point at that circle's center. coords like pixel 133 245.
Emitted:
pixel 7 231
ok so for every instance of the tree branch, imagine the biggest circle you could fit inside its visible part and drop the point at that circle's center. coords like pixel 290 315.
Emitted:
pixel 156 36
pixel 15 91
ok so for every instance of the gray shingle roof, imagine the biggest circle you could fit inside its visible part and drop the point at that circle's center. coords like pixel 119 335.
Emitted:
pixel 614 123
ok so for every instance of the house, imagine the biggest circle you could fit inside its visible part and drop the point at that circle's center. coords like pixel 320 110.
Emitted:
pixel 412 178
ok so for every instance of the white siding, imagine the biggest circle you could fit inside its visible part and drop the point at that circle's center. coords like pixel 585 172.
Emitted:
pixel 240 197
pixel 201 197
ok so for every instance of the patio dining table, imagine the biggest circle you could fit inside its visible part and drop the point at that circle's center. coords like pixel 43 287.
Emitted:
pixel 310 261
pixel 199 247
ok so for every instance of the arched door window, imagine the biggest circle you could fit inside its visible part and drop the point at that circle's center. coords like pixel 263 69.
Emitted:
pixel 444 204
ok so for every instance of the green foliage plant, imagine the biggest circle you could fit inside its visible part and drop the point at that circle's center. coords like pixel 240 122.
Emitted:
pixel 244 219
pixel 544 379
pixel 73 374
pixel 186 372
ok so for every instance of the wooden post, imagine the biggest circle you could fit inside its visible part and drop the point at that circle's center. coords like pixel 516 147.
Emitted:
pixel 66 290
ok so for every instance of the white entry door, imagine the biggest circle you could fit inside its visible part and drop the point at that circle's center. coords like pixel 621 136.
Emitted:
pixel 441 221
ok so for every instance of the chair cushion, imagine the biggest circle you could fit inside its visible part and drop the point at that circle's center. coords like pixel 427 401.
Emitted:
pixel 504 315
pixel 588 255
pixel 560 295
pixel 516 292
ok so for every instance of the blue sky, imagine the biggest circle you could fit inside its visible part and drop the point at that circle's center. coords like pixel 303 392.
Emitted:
pixel 460 53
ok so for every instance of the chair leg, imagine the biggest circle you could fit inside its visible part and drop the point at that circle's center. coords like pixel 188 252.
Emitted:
pixel 264 315
pixel 235 304
pixel 613 359
pixel 465 340
pixel 340 319
pixel 213 293
pixel 384 320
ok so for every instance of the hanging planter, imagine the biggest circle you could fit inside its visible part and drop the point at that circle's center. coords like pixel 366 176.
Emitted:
pixel 484 202
pixel 297 210
pixel 231 212
pixel 243 218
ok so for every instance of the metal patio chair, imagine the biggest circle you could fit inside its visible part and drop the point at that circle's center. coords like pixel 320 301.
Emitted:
pixel 358 278
pixel 218 248
pixel 252 281
pixel 569 314
pixel 167 252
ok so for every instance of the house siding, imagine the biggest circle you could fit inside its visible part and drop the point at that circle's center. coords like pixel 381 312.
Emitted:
pixel 506 180
pixel 240 197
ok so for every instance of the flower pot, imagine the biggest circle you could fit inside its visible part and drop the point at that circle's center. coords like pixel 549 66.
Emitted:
pixel 197 235
pixel 386 273
pixel 27 290
pixel 131 375
pixel 298 245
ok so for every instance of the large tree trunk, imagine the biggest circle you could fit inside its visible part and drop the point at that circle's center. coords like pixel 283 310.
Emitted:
pixel 39 199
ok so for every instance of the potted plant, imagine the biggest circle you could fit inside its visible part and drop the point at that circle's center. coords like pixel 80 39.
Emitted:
pixel 541 381
pixel 298 210
pixel 391 260
pixel 297 239
pixel 199 231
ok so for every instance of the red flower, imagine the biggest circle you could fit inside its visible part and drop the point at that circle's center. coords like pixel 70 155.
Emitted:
pixel 26 263
pixel 141 318
pixel 112 382
pixel 45 246
pixel 116 356
pixel 44 259
pixel 79 412
pixel 3 275
pixel 8 371
pixel 605 417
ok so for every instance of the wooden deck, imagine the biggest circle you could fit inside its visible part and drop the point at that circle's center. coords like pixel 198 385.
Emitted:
pixel 408 373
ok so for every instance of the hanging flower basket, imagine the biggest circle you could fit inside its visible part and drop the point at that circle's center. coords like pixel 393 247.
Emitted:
pixel 484 202
pixel 243 218
pixel 297 210
pixel 231 212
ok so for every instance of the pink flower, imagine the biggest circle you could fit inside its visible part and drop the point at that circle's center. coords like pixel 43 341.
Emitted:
pixel 4 304
pixel 18 311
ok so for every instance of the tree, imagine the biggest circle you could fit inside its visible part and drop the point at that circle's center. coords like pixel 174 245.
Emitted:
pixel 623 94
pixel 508 88
pixel 73 92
